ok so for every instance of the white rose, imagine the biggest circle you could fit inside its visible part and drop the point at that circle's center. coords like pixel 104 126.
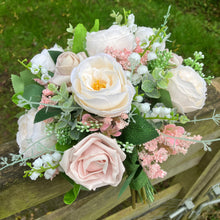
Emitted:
pixel 144 33
pixel 100 86
pixel 187 89
pixel 32 138
pixel 117 37
pixel 44 59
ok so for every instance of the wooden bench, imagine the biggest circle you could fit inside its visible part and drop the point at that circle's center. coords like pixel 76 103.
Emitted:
pixel 196 167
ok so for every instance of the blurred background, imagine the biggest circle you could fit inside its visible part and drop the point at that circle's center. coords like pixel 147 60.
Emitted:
pixel 27 27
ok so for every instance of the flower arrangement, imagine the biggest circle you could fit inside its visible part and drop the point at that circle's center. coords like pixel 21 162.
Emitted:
pixel 107 107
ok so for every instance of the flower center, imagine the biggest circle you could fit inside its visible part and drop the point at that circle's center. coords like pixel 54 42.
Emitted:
pixel 98 84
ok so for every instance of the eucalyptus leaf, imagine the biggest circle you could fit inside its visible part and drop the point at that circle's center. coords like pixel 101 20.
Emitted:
pixel 148 86
pixel 56 98
pixel 60 124
pixel 163 83
pixel 168 75
pixel 63 91
pixel 158 73
pixel 154 94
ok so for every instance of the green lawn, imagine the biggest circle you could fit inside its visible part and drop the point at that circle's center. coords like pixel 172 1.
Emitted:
pixel 28 26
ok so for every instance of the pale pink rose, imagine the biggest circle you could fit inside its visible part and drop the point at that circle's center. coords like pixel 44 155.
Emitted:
pixel 66 61
pixel 100 86
pixel 94 162
pixel 118 37
pixel 175 61
pixel 187 89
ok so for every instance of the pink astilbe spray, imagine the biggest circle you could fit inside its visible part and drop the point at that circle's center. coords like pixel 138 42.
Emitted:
pixel 172 140
pixel 108 126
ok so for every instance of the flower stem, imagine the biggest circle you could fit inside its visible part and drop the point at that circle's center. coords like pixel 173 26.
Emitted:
pixel 133 198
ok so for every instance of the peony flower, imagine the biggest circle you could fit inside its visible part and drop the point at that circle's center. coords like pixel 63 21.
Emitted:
pixel 118 37
pixel 187 89
pixel 94 162
pixel 100 86
pixel 32 138
pixel 66 61
pixel 44 59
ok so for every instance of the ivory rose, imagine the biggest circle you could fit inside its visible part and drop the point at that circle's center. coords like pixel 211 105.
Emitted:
pixel 94 162
pixel 66 61
pixel 44 59
pixel 118 37
pixel 32 138
pixel 187 89
pixel 100 86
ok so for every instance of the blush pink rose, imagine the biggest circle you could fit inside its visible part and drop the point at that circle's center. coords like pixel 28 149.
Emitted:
pixel 94 162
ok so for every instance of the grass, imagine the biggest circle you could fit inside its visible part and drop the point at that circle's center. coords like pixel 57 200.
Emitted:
pixel 26 27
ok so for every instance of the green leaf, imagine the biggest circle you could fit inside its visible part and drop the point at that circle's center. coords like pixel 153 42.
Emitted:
pixel 95 28
pixel 63 90
pixel 126 183
pixel 154 94
pixel 168 75
pixel 71 196
pixel 56 98
pixel 139 132
pixel 158 73
pixel 74 134
pixel 17 83
pixel 138 182
pixel 148 86
pixel 52 87
pixel 27 77
pixel 62 148
pixel 15 99
pixel 33 93
pixel 45 113
pixel 60 124
pixel 165 98
pixel 163 83
pixel 79 41
pixel 54 54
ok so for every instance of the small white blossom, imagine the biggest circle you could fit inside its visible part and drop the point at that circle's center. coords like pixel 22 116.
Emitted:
pixel 139 98
pixel 47 158
pixel 144 107
pixel 56 156
pixel 136 79
pixel 128 74
pixel 49 173
pixel 45 78
pixel 38 163
pixel 134 59
pixel 44 71
pixel 34 175
pixel 34 69
pixel 142 70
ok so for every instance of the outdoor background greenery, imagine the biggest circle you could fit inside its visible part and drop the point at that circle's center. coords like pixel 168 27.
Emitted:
pixel 28 26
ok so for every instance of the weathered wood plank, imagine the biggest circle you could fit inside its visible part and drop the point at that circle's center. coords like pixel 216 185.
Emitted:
pixel 92 207
pixel 141 209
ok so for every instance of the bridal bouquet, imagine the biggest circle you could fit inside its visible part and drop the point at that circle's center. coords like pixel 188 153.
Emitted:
pixel 106 107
